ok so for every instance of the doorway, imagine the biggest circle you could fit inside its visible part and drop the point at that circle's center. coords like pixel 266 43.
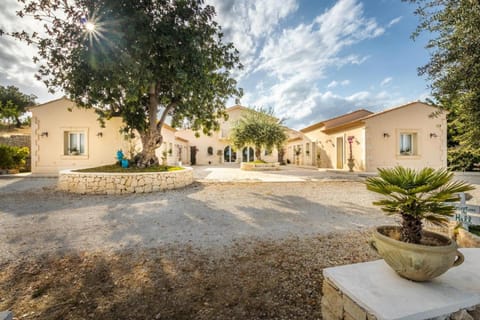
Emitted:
pixel 248 154
pixel 193 156
pixel 339 152
pixel 229 155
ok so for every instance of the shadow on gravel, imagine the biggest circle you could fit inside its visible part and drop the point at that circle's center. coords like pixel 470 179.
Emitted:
pixel 256 280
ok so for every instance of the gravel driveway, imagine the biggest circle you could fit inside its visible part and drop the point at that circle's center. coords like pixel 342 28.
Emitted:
pixel 35 218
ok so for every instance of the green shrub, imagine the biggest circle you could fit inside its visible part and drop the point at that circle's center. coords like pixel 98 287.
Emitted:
pixel 463 159
pixel 13 157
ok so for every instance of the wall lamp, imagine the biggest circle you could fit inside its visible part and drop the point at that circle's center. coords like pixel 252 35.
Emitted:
pixel 386 135
pixel 44 134
pixel 433 135
pixel 100 134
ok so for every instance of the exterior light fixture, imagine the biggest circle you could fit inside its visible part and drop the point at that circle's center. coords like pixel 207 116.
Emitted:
pixel 44 134
pixel 433 135
pixel 100 134
pixel 386 135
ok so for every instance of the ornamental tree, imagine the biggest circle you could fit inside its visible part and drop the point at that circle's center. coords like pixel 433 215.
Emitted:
pixel 141 60
pixel 454 66
pixel 13 104
pixel 259 128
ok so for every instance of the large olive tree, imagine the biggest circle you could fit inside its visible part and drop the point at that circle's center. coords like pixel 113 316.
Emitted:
pixel 142 60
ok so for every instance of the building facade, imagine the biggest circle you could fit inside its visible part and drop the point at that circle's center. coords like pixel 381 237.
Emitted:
pixel 66 137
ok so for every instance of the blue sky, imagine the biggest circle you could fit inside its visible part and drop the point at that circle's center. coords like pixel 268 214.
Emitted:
pixel 308 59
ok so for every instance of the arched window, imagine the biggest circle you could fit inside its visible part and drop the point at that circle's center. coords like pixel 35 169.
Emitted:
pixel 229 155
pixel 210 151
pixel 248 154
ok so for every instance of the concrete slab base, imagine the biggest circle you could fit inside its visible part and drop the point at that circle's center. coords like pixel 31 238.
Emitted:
pixel 6 315
pixel 372 290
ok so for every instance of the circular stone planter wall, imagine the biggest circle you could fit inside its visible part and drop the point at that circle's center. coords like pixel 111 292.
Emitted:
pixel 121 183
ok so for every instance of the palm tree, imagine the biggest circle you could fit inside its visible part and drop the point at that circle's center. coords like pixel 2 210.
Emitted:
pixel 416 196
pixel 260 128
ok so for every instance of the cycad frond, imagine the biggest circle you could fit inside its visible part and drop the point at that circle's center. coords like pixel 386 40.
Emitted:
pixel 422 194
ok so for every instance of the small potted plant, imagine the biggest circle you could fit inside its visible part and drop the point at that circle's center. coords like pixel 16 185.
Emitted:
pixel 298 151
pixel 416 196
pixel 351 161
pixel 74 151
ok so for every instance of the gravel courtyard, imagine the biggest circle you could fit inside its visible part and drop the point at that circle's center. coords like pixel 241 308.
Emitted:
pixel 240 250
pixel 38 219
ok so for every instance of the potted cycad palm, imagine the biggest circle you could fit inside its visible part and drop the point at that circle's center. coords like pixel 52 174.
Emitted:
pixel 416 196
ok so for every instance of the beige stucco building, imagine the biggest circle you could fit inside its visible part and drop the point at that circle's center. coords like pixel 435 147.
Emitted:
pixel 217 149
pixel 66 137
pixel 408 135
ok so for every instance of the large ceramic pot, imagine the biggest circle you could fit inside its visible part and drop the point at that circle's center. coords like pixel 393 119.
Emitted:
pixel 416 262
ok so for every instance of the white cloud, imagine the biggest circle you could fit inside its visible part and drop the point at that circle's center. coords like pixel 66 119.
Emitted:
pixel 335 83
pixel 394 21
pixel 332 84
pixel 309 49
pixel 247 22
pixel 299 56
pixel 386 81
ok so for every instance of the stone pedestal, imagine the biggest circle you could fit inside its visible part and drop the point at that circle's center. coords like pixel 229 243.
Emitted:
pixel 372 290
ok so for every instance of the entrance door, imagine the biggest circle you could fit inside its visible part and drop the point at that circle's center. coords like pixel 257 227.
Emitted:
pixel 340 153
pixel 229 155
pixel 193 156
pixel 247 154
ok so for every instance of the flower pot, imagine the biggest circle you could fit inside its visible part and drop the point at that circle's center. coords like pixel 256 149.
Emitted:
pixel 351 164
pixel 417 262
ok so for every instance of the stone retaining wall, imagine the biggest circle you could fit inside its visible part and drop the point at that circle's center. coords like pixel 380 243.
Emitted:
pixel 122 183
pixel 16 141
pixel 338 306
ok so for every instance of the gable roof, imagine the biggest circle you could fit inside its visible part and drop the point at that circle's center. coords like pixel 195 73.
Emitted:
pixel 339 121
pixel 48 102
pixel 397 108
pixel 355 118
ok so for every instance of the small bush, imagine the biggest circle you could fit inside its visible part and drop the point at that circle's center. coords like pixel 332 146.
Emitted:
pixel 463 159
pixel 13 157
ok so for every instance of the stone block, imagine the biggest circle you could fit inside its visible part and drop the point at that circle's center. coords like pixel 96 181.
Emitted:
pixel 6 315
pixel 332 300
pixel 327 314
pixel 461 315
pixel 475 312
pixel 354 310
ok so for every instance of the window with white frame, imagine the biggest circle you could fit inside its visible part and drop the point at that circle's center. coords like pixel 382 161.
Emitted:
pixel 74 143
pixel 408 144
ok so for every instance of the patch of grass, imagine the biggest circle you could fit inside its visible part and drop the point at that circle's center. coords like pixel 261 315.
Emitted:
pixel 475 229
pixel 112 168
pixel 258 161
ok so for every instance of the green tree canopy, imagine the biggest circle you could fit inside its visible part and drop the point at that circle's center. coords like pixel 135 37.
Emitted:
pixel 142 60
pixel 260 128
pixel 454 66
pixel 13 104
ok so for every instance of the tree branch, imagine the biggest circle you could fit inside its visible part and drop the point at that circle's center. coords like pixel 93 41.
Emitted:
pixel 165 112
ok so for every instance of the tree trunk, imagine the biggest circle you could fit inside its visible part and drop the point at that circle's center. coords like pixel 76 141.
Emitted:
pixel 258 153
pixel 411 229
pixel 152 137
pixel 18 123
